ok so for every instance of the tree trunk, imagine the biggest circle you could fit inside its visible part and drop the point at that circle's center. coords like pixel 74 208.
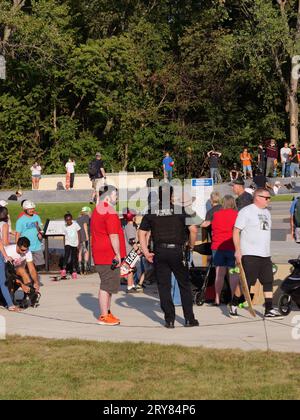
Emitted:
pixel 125 157
pixel 55 119
pixel 293 106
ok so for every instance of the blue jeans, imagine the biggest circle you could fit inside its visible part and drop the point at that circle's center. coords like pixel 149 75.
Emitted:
pixel 214 174
pixel 175 291
pixel 3 288
pixel 294 168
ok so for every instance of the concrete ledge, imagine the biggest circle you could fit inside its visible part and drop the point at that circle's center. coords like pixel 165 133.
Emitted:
pixel 82 181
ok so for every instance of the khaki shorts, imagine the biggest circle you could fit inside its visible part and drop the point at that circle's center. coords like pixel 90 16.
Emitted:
pixel 109 279
pixel 38 258
pixel 98 183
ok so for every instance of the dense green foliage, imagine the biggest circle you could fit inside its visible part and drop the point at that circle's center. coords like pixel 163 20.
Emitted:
pixel 133 78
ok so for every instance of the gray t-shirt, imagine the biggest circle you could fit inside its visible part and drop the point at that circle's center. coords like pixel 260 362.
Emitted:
pixel 255 225
pixel 130 233
pixel 81 221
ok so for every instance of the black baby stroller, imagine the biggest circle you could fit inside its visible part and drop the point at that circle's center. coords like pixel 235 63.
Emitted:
pixel 202 277
pixel 13 283
pixel 291 289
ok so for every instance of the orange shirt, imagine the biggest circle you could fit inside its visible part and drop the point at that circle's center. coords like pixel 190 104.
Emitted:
pixel 247 159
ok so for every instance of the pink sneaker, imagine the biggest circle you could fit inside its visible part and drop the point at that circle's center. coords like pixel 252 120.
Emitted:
pixel 63 273
pixel 74 276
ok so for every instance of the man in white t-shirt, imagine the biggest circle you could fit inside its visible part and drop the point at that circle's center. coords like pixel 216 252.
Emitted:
pixel 22 257
pixel 70 167
pixel 285 158
pixel 252 240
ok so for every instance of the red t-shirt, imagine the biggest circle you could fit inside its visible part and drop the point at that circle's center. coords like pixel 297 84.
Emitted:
pixel 104 223
pixel 222 228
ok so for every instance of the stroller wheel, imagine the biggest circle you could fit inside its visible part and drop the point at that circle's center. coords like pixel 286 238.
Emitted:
pixel 199 298
pixel 285 304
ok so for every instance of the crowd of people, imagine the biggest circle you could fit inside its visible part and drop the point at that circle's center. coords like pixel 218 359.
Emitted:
pixel 238 227
pixel 268 160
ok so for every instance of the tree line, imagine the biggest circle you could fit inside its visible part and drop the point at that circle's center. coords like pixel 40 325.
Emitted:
pixel 133 78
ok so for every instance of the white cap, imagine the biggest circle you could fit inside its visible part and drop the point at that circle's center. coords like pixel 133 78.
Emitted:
pixel 28 205
pixel 3 203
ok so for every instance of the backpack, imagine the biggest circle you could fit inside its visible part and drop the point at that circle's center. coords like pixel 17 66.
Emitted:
pixel 297 214
pixel 93 168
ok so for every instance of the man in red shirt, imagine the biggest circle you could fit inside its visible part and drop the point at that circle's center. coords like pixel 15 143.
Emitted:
pixel 108 244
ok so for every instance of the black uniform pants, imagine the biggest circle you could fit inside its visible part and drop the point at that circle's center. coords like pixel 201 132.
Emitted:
pixel 167 261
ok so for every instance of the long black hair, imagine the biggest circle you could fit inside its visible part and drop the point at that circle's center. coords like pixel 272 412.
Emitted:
pixel 3 214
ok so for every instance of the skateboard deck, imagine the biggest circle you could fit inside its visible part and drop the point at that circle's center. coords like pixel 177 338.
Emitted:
pixel 245 290
pixel 130 261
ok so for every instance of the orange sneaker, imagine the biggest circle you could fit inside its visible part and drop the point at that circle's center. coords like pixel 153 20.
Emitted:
pixel 113 317
pixel 107 320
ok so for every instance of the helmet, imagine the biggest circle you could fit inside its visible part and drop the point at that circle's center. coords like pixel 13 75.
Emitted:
pixel 28 205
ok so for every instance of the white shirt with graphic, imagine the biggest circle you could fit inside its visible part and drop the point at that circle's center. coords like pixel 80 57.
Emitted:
pixel 71 234
pixel 255 225
pixel 18 259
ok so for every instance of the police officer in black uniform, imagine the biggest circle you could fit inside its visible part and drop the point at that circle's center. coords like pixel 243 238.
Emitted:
pixel 168 225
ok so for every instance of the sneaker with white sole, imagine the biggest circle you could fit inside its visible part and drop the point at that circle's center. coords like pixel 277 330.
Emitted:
pixel 273 314
pixel 108 320
pixel 233 311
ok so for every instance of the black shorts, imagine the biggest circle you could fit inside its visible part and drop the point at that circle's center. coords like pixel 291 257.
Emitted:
pixel 258 268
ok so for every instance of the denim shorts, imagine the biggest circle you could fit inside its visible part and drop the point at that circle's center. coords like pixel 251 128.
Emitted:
pixel 247 168
pixel 223 258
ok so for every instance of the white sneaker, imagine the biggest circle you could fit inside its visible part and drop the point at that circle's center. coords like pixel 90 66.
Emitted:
pixel 273 314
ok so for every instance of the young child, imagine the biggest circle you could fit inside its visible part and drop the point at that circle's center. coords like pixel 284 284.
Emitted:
pixel 72 239
pixel 83 254
pixel 130 230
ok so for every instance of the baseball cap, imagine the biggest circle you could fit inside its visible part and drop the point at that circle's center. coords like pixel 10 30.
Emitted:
pixel 3 203
pixel 238 181
pixel 28 205
pixel 129 216
pixel 98 154
pixel 86 209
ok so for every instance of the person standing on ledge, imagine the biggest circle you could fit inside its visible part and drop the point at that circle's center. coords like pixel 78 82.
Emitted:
pixel 97 176
pixel 36 171
pixel 70 167
pixel 168 164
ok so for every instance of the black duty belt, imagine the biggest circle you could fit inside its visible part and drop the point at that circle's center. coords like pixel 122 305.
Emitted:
pixel 169 246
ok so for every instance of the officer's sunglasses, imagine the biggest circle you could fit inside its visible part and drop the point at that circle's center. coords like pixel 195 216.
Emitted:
pixel 266 198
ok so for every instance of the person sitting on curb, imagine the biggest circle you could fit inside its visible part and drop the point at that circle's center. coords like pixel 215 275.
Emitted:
pixel 21 258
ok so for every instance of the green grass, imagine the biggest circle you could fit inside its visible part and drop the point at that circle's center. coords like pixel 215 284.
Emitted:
pixel 283 197
pixel 53 211
pixel 34 368
pixel 56 211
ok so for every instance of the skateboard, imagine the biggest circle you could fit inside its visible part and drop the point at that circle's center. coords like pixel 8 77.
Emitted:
pixel 245 290
pixel 59 278
pixel 129 262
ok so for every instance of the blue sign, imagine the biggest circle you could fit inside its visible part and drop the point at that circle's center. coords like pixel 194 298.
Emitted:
pixel 202 182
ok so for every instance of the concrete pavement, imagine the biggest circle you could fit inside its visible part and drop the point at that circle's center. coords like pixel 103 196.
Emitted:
pixel 69 309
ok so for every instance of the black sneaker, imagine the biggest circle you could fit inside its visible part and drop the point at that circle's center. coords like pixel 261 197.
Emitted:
pixel 169 324
pixel 233 311
pixel 273 314
pixel 192 323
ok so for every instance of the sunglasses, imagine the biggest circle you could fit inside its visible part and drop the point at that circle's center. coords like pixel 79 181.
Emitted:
pixel 266 198
pixel 23 250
